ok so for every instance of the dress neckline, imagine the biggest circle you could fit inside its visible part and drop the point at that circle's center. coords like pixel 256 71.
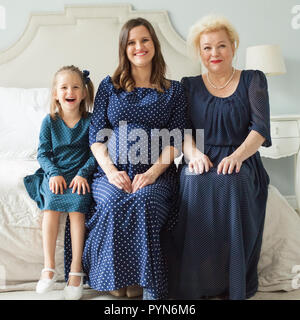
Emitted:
pixel 145 88
pixel 76 124
pixel 233 94
pixel 141 88
pixel 149 88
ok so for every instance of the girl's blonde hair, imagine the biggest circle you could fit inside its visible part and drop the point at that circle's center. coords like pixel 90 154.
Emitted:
pixel 86 104
pixel 211 23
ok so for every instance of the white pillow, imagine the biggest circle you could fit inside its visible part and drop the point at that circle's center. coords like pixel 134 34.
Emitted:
pixel 280 250
pixel 21 115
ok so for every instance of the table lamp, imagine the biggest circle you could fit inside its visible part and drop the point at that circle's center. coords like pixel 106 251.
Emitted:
pixel 267 58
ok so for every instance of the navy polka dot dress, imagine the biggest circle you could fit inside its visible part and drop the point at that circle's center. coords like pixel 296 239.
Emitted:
pixel 215 247
pixel 123 231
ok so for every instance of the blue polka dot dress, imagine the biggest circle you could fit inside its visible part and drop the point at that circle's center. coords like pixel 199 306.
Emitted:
pixel 123 231
pixel 215 247
pixel 62 151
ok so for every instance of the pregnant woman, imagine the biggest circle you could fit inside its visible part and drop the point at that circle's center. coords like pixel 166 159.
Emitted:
pixel 134 199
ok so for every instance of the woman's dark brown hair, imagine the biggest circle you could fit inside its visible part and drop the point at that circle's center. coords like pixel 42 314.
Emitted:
pixel 122 77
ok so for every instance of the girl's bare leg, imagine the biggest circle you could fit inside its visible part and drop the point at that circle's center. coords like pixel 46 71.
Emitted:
pixel 50 226
pixel 77 229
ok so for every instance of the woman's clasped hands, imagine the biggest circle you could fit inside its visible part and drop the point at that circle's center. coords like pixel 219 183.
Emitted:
pixel 122 181
pixel 57 185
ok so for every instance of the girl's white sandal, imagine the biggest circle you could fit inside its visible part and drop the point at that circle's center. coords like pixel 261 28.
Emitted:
pixel 72 292
pixel 46 285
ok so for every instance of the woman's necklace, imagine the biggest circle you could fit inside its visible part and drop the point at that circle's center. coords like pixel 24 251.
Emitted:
pixel 225 85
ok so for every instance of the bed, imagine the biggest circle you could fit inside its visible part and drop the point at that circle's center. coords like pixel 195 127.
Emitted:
pixel 26 71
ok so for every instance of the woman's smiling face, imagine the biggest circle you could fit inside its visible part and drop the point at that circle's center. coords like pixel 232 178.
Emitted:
pixel 140 47
pixel 216 51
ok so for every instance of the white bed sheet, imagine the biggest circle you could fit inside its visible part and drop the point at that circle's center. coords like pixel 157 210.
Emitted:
pixel 21 254
pixel 281 244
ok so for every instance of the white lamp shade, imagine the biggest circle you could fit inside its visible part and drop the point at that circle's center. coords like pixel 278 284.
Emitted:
pixel 267 58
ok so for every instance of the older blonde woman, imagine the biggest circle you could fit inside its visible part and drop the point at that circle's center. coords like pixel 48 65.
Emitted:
pixel 223 190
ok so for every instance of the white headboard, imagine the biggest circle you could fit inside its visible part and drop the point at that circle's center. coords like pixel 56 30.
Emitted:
pixel 88 38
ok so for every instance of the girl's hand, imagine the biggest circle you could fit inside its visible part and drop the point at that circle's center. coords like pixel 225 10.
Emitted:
pixel 79 183
pixel 228 164
pixel 121 180
pixel 199 163
pixel 57 184
pixel 142 180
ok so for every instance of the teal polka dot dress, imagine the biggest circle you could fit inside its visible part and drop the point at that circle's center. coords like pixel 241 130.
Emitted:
pixel 62 151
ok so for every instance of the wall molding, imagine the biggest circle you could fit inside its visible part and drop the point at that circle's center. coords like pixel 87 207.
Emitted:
pixel 82 35
pixel 71 15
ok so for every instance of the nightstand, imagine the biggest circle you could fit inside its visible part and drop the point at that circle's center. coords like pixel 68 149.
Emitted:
pixel 285 134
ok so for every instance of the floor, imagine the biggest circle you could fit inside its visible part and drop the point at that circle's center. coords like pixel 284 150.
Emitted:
pixel 90 294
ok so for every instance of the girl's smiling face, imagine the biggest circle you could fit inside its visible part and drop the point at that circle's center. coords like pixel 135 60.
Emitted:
pixel 69 91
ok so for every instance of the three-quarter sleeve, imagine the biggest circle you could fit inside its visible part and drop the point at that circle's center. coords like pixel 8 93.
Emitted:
pixel 99 120
pixel 259 106
pixel 45 150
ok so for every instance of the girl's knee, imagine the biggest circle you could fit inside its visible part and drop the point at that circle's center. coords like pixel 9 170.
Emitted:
pixel 77 220
pixel 50 214
pixel 76 216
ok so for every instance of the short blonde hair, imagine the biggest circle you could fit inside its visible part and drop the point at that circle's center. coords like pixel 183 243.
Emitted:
pixel 211 23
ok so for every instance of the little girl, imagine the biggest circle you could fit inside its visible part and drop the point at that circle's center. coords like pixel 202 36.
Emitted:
pixel 62 182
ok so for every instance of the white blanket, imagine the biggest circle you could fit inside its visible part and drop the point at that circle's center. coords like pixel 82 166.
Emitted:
pixel 280 250
pixel 21 254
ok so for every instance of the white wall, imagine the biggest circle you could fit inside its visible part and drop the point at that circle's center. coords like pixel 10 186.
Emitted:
pixel 257 21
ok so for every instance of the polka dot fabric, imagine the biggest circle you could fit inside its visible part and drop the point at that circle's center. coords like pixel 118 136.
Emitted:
pixel 123 231
pixel 214 248
pixel 62 151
